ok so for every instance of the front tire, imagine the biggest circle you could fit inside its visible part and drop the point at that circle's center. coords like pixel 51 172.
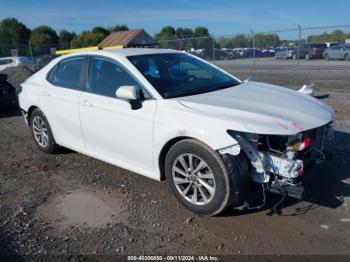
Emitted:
pixel 42 133
pixel 199 178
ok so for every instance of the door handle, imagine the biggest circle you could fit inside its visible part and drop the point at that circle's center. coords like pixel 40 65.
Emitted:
pixel 86 103
pixel 45 93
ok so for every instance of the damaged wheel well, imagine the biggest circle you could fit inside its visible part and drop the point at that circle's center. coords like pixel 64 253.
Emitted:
pixel 164 152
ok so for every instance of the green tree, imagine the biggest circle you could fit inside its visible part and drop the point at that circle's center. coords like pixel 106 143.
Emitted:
pixel 65 39
pixel 117 28
pixel 100 30
pixel 240 41
pixel 184 32
pixel 42 39
pixel 88 38
pixel 201 31
pixel 336 36
pixel 13 34
pixel 266 40
pixel 166 33
pixel 225 42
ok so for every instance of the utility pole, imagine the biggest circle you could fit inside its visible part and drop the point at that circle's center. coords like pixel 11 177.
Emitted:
pixel 299 41
pixel 30 50
pixel 253 39
pixel 213 48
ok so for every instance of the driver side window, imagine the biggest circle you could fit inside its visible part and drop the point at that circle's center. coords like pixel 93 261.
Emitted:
pixel 105 77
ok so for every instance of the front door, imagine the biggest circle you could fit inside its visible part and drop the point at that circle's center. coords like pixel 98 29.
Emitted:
pixel 112 129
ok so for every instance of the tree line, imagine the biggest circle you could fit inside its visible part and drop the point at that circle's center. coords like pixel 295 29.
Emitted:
pixel 273 40
pixel 14 34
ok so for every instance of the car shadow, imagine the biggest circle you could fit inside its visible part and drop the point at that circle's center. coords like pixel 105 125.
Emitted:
pixel 12 111
pixel 326 185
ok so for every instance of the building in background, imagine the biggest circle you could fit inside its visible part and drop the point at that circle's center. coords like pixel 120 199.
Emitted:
pixel 130 38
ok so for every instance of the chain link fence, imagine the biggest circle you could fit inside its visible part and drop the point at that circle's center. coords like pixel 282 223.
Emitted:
pixel 293 48
pixel 28 54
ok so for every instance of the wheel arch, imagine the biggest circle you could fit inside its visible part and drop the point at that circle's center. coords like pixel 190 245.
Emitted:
pixel 164 151
pixel 30 111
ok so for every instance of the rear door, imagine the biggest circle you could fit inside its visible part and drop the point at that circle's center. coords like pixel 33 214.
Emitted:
pixel 59 101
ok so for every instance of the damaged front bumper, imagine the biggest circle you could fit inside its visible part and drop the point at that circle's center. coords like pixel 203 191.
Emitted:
pixel 280 162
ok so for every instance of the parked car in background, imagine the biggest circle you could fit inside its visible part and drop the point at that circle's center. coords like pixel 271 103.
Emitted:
pixel 285 53
pixel 268 52
pixel 43 60
pixel 339 52
pixel 249 52
pixel 310 51
pixel 8 96
pixel 166 114
pixel 6 62
pixel 223 54
pixel 237 52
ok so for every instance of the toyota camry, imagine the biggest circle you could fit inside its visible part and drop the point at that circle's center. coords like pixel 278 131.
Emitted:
pixel 168 115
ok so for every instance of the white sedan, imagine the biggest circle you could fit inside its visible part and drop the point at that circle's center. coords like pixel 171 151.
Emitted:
pixel 169 115
pixel 6 62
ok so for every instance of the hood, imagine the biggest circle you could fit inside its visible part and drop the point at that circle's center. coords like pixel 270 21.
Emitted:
pixel 262 108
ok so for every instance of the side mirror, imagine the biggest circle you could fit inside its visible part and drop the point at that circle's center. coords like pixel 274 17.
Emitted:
pixel 127 93
pixel 308 89
pixel 131 94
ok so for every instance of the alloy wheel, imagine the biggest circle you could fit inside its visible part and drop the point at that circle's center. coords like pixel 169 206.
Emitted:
pixel 40 131
pixel 193 179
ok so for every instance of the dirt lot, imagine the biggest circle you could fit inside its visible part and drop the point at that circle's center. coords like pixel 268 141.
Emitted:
pixel 68 203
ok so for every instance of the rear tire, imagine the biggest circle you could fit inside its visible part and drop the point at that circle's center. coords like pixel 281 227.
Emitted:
pixel 208 191
pixel 41 132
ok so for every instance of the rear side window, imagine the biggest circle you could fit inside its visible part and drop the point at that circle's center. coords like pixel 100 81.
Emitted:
pixel 67 73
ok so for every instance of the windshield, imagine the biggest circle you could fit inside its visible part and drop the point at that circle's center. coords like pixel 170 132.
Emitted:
pixel 179 74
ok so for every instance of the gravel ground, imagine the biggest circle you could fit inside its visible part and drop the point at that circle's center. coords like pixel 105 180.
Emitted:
pixel 70 204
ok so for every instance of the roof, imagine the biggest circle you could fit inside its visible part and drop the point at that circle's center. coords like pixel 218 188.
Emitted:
pixel 136 37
